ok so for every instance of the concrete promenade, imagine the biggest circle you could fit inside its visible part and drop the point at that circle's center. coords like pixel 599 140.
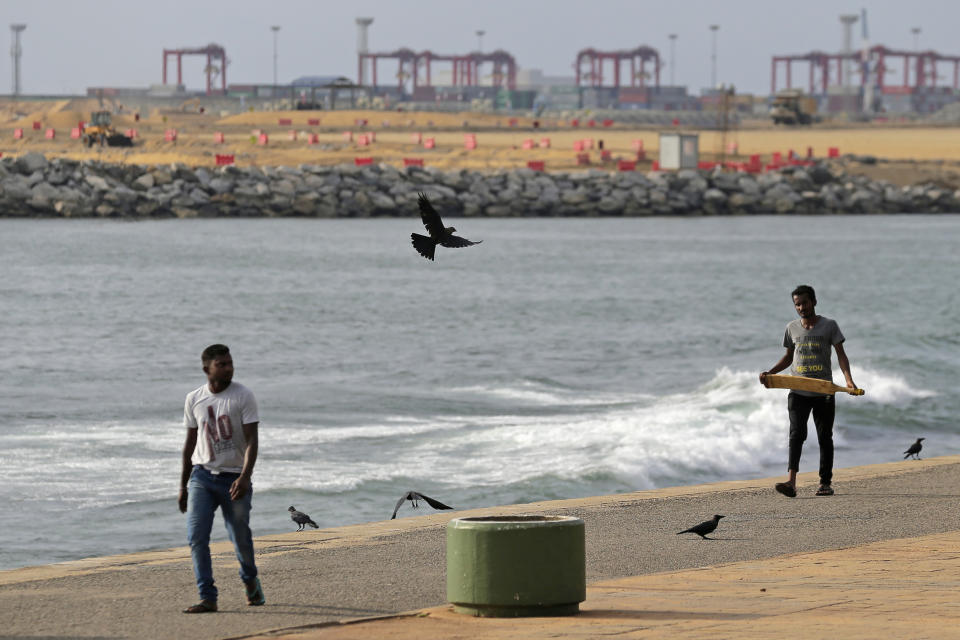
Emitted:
pixel 879 559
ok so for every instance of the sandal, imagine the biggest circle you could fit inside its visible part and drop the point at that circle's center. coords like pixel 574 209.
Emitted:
pixel 786 489
pixel 204 606
pixel 255 596
pixel 825 490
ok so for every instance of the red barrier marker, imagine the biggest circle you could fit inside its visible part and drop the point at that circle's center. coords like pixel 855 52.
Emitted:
pixel 583 158
pixel 348 136
pixel 413 162
pixel 75 133
pixel 170 135
pixel 575 122
pixel 578 145
pixel 313 138
pixel 528 144
pixel 513 122
pixel 809 152
pixel 18 134
pixel 313 122
pixel 363 140
pixel 131 133
pixel 833 152
pixel 626 165
pixel 218 137
pixel 360 122
pixel 417 138
pixel 591 123
pixel 638 145
pixel 37 125
pixel 676 122
pixel 656 166
pixel 544 143
pixel 372 136
pixel 641 155
pixel 470 141
pixel 292 134
pixel 263 139
pixel 363 161
pixel 590 142
pixel 608 122
pixel 605 155
pixel 223 159
pixel 536 165
pixel 429 143
pixel 50 134
pixel 285 122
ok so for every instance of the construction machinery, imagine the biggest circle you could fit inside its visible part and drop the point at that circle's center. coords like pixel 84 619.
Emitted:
pixel 792 106
pixel 100 131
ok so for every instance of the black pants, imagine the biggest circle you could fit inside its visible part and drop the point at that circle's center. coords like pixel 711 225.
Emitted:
pixel 823 408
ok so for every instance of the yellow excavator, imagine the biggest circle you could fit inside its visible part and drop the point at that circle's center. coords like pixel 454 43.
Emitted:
pixel 100 131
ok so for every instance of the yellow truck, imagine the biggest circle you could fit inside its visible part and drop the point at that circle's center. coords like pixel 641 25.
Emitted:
pixel 100 131
pixel 792 106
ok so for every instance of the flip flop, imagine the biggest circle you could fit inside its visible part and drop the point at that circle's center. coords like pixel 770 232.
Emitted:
pixel 204 606
pixel 786 489
pixel 825 490
pixel 255 596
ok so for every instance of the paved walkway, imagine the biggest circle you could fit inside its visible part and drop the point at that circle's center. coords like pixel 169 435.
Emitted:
pixel 382 568
pixel 894 589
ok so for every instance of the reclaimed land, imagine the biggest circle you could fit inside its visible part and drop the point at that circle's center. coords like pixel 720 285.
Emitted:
pixel 307 166
pixel 383 568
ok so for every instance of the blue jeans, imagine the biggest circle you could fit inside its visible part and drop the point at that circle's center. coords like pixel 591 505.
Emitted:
pixel 205 492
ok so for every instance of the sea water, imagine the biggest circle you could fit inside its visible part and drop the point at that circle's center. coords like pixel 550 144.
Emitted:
pixel 560 358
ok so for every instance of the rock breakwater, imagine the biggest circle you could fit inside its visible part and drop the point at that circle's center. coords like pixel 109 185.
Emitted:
pixel 33 186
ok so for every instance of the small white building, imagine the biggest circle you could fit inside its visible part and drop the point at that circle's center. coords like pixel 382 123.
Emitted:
pixel 679 150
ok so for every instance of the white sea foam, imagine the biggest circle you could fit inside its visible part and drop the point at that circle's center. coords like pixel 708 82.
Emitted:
pixel 533 393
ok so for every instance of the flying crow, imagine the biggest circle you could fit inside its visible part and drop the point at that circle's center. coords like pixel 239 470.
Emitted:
pixel 413 497
pixel 301 519
pixel 914 449
pixel 424 245
pixel 704 528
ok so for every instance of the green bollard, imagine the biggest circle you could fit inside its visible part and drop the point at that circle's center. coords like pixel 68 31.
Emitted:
pixel 515 566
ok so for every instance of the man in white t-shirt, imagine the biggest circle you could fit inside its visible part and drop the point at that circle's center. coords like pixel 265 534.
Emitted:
pixel 218 459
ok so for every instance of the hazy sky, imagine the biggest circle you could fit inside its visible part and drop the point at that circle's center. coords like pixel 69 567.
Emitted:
pixel 70 45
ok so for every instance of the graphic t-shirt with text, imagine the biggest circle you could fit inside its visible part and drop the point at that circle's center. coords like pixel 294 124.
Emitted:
pixel 220 418
pixel 812 349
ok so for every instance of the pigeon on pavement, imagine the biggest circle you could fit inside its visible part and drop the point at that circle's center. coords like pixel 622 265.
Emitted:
pixel 426 246
pixel 301 518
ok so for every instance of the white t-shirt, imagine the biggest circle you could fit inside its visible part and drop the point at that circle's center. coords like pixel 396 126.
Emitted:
pixel 220 417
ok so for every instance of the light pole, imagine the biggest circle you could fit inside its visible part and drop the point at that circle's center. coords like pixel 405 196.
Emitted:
pixel 673 59
pixel 15 53
pixel 480 33
pixel 275 28
pixel 847 21
pixel 713 56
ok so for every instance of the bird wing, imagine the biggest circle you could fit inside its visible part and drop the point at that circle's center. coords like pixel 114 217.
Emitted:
pixel 436 504
pixel 456 242
pixel 704 527
pixel 400 502
pixel 431 219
